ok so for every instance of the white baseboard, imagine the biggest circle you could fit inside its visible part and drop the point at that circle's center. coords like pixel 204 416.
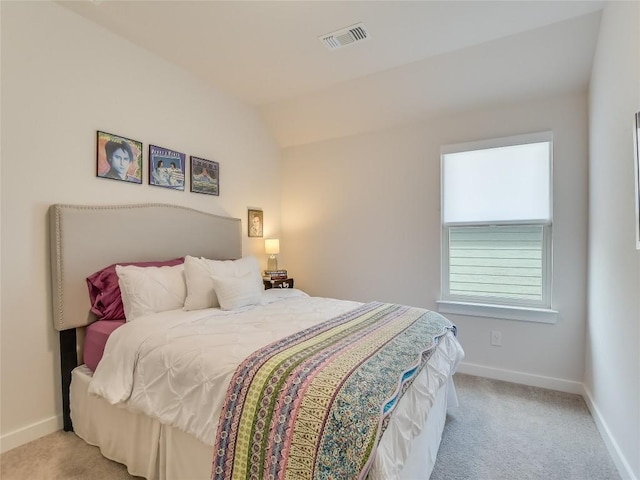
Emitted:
pixel 29 433
pixel 624 469
pixel 512 376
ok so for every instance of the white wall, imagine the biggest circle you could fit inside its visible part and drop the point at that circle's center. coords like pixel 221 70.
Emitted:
pixel 63 79
pixel 613 336
pixel 361 220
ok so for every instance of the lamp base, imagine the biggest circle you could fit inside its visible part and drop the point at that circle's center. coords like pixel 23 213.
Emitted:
pixel 272 263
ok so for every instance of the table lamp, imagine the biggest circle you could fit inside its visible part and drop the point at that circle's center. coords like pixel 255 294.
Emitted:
pixel 272 248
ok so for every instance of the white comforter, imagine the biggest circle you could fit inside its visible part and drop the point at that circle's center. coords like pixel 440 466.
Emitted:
pixel 176 365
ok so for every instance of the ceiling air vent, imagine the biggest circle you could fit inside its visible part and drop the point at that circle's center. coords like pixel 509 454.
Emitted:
pixel 346 36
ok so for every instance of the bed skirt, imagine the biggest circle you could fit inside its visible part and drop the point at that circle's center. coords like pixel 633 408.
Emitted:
pixel 407 450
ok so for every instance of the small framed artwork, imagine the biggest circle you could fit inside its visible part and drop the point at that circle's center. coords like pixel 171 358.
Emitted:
pixel 636 147
pixel 205 176
pixel 166 168
pixel 118 158
pixel 255 223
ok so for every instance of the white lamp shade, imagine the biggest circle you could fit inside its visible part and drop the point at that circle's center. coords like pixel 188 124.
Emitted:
pixel 272 246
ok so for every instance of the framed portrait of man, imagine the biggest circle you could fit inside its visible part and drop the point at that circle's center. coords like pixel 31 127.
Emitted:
pixel 118 158
pixel 255 223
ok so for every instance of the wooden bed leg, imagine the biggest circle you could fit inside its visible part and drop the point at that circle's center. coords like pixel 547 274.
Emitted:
pixel 68 361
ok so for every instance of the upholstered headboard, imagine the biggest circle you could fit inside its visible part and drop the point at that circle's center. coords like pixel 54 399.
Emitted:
pixel 86 238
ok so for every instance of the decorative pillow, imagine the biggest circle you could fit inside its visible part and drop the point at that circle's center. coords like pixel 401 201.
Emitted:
pixel 148 290
pixel 199 274
pixel 237 292
pixel 104 291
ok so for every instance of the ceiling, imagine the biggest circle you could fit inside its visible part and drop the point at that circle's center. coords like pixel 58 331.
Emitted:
pixel 423 58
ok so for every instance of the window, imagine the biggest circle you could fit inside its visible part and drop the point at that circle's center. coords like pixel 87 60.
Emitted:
pixel 496 228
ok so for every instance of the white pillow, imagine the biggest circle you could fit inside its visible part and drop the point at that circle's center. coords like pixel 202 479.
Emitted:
pixel 199 274
pixel 147 290
pixel 200 292
pixel 237 292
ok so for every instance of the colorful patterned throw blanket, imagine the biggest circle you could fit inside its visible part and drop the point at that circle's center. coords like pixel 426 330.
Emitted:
pixel 314 405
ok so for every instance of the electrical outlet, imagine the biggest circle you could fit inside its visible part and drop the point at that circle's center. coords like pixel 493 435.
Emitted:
pixel 496 338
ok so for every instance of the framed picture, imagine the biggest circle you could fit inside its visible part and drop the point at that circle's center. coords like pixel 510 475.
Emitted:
pixel 118 158
pixel 255 223
pixel 636 147
pixel 205 176
pixel 166 168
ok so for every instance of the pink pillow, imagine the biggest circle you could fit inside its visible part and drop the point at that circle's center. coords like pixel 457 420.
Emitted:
pixel 104 291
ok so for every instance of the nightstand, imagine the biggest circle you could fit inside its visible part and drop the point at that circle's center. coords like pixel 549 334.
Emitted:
pixel 286 283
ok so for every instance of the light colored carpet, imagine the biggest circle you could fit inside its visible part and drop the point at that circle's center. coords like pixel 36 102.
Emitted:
pixel 59 456
pixel 500 431
pixel 505 431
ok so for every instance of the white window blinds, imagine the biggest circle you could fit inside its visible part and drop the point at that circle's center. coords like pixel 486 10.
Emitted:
pixel 498 185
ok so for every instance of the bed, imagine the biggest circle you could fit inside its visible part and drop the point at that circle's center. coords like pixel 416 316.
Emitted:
pixel 160 440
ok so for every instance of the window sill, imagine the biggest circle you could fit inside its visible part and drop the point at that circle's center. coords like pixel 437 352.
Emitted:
pixel 526 314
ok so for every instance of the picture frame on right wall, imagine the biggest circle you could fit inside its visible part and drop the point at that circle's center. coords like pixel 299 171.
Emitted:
pixel 636 147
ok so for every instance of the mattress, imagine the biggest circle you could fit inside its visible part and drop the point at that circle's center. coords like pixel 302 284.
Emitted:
pixel 172 369
pixel 96 336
